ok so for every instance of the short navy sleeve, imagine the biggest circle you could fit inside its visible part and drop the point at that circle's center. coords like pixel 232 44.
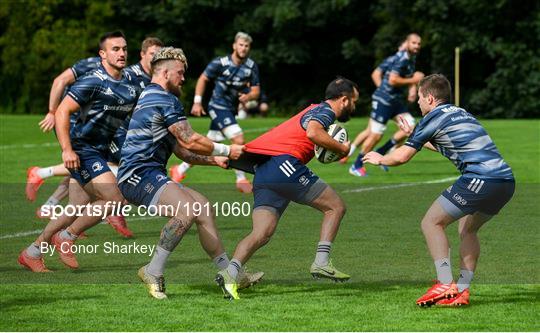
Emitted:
pixel 84 66
pixel 423 132
pixel 322 114
pixel 255 76
pixel 385 65
pixel 213 69
pixel 173 112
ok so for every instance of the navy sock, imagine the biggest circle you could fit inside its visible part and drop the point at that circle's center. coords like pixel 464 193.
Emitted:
pixel 386 147
pixel 358 163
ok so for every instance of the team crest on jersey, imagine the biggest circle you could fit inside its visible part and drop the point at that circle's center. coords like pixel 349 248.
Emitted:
pixel 160 177
pixel 132 91
pixel 97 166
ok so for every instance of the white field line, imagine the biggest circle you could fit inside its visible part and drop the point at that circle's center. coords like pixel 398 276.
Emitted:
pixel 363 189
pixel 55 144
pixel 387 187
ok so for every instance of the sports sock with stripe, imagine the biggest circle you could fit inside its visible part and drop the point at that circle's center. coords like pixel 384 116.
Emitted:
pixel 323 253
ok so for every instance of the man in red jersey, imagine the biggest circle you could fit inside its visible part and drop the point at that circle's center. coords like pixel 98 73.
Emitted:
pixel 283 177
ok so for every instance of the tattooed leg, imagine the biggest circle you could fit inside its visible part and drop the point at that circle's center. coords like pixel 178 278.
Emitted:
pixel 171 235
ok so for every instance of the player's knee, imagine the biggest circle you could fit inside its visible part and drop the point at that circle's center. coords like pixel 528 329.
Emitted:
pixel 339 209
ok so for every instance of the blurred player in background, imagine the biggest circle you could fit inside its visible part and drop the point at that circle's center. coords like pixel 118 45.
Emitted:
pixel 485 186
pixel 387 100
pixel 284 177
pixel 236 79
pixel 254 107
pixel 105 97
pixel 157 129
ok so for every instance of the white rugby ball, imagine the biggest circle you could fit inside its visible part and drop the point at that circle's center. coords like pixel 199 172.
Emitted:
pixel 324 155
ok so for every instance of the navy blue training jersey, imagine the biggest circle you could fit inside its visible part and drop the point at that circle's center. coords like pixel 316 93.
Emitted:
pixel 149 144
pixel 322 114
pixel 105 103
pixel 403 65
pixel 84 66
pixel 461 138
pixel 230 79
pixel 137 72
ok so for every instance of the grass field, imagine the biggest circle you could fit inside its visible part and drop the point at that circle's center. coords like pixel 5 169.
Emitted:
pixel 380 244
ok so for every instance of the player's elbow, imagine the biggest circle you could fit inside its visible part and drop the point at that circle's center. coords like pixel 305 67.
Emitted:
pixel 311 135
pixel 392 80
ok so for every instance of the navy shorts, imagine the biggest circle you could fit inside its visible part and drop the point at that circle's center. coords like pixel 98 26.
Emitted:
pixel 381 112
pixel 469 195
pixel 282 179
pixel 221 119
pixel 144 186
pixel 93 164
pixel 113 155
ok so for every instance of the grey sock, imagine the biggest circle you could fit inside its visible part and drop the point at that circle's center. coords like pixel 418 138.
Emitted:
pixel 323 253
pixel 33 251
pixel 221 261
pixel 157 264
pixel 465 278
pixel 235 266
pixel 444 270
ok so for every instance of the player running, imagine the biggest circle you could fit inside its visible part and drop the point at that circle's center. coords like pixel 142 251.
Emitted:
pixel 485 186
pixel 157 129
pixel 236 79
pixel 105 98
pixel 387 99
pixel 281 176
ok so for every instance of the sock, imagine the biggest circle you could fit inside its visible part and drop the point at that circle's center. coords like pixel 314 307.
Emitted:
pixel 386 147
pixel 114 169
pixel 240 175
pixel 33 251
pixel 323 253
pixel 235 266
pixel 52 201
pixel 157 264
pixel 64 234
pixel 358 163
pixel 182 168
pixel 444 270
pixel 221 261
pixel 353 148
pixel 465 278
pixel 45 172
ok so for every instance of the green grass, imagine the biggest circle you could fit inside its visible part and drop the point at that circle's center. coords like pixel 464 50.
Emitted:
pixel 380 244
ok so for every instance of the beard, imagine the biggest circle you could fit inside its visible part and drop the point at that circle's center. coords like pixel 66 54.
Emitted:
pixel 345 115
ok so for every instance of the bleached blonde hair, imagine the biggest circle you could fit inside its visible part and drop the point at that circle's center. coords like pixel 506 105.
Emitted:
pixel 168 53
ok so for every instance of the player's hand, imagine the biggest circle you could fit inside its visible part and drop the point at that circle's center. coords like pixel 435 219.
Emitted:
pixel 243 98
pixel 373 158
pixel 197 110
pixel 47 123
pixel 417 76
pixel 411 98
pixel 221 161
pixel 404 125
pixel 236 151
pixel 71 159
pixel 347 149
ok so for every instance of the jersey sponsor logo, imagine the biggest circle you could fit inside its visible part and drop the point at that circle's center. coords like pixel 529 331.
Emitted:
pixel 108 91
pixel 97 166
pixel 118 107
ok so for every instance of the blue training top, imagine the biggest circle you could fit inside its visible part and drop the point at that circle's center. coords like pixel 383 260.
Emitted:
pixel 461 138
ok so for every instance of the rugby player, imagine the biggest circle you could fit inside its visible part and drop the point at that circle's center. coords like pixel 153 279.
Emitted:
pixel 105 97
pixel 283 177
pixel 157 129
pixel 387 100
pixel 236 79
pixel 485 186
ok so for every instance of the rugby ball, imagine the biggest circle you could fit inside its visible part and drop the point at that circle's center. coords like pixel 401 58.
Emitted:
pixel 324 155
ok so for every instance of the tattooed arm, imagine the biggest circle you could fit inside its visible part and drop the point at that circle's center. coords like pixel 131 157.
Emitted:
pixel 199 144
pixel 192 158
